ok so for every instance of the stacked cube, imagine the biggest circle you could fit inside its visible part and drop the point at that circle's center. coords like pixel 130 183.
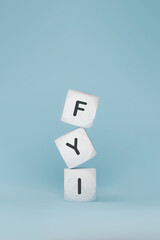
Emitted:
pixel 76 148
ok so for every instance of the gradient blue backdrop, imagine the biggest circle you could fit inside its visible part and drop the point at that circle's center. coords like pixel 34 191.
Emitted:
pixel 107 48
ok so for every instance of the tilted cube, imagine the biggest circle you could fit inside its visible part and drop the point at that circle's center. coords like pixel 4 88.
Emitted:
pixel 80 184
pixel 80 109
pixel 75 147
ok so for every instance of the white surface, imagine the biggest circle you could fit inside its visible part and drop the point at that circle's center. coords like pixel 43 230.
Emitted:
pixel 88 184
pixel 83 118
pixel 84 146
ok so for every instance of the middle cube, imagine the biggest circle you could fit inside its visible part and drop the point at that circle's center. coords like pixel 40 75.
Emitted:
pixel 75 147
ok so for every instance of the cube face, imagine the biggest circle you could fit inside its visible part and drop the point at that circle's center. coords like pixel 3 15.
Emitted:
pixel 75 147
pixel 80 184
pixel 80 109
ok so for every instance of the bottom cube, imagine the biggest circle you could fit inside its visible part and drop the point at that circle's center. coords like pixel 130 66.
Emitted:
pixel 80 184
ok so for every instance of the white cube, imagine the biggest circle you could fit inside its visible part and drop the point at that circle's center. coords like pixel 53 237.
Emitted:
pixel 80 184
pixel 75 147
pixel 80 109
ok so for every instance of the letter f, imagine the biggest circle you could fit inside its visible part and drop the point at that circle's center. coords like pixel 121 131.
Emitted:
pixel 77 107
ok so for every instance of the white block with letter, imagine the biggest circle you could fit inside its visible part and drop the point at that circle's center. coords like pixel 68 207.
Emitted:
pixel 75 147
pixel 80 184
pixel 80 109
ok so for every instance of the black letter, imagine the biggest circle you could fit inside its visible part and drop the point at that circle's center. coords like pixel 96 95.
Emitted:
pixel 79 185
pixel 74 146
pixel 77 108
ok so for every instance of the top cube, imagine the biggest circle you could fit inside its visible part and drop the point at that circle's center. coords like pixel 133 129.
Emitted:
pixel 80 109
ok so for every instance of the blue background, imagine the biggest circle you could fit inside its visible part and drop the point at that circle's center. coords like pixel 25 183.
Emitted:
pixel 107 48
